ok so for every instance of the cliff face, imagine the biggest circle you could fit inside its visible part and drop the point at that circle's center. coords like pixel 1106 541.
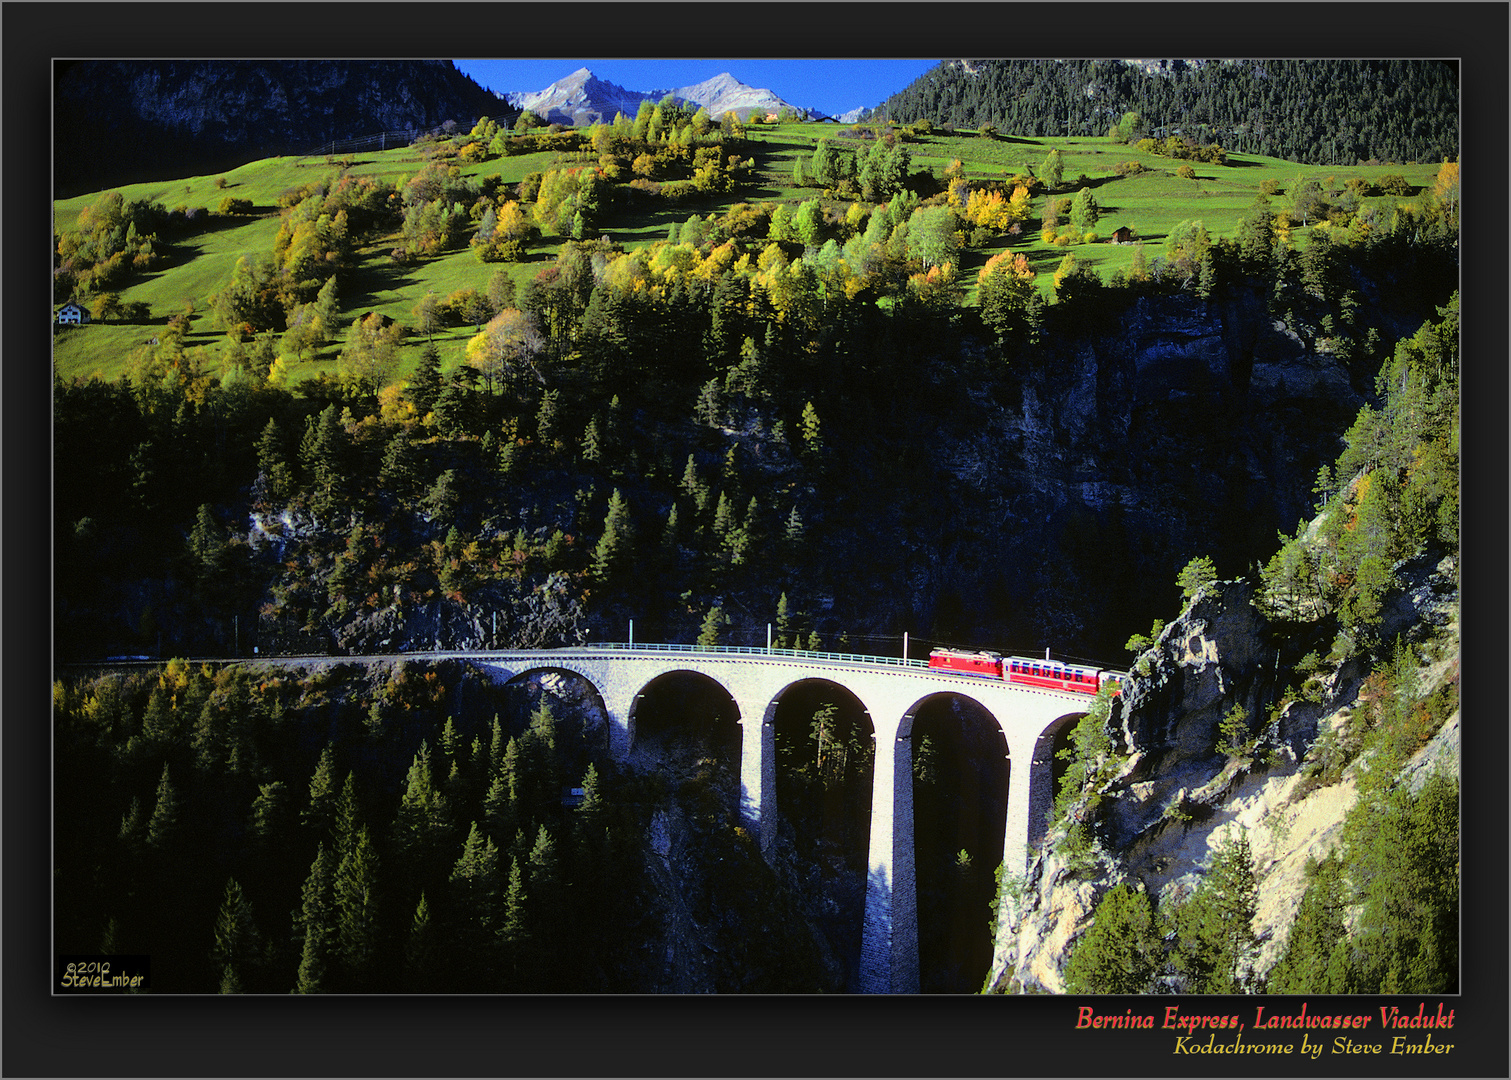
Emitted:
pixel 166 118
pixel 1179 428
pixel 1177 798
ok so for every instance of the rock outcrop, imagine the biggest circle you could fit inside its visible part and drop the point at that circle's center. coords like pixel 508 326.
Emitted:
pixel 1178 797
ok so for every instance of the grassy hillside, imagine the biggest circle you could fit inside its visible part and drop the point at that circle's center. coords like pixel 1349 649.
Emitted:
pixel 1150 202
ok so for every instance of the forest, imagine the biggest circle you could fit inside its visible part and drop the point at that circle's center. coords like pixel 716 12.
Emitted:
pixel 767 410
pixel 1317 111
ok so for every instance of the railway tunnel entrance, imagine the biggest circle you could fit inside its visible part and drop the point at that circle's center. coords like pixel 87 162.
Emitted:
pixel 961 773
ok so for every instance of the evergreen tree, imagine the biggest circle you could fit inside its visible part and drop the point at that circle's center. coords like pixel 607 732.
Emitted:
pixel 473 898
pixel 425 390
pixel 420 949
pixel 1197 574
pixel 207 540
pixel 616 545
pixel 322 803
pixel 514 931
pixel 346 816
pixel 1122 951
pixel 1318 935
pixel 669 534
pixel 355 894
pixel 1084 211
pixel 163 825
pixel 808 428
pixel 315 927
pixel 400 471
pixel 713 625
pixel 422 825
pixel 236 939
pixel 275 480
pixel 1216 941
pixel 270 813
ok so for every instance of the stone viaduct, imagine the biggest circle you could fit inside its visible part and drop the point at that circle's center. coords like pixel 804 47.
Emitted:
pixel 891 691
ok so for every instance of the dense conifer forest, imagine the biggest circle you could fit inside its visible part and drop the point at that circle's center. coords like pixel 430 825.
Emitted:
pixel 1321 112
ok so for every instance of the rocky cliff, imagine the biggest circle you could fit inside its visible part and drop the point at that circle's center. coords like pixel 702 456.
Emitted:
pixel 1176 797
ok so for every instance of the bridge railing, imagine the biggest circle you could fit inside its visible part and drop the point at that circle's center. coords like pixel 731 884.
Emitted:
pixel 758 650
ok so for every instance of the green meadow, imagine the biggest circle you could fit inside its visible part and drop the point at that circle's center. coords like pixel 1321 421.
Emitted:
pixel 1150 203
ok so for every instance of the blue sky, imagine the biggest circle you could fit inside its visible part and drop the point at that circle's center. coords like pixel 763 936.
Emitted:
pixel 828 85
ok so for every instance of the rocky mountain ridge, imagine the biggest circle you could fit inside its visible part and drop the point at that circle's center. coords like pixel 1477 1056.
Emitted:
pixel 582 98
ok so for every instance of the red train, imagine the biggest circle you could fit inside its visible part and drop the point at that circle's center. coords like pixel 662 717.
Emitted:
pixel 1043 674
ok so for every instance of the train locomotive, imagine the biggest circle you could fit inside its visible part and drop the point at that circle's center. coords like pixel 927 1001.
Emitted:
pixel 1045 674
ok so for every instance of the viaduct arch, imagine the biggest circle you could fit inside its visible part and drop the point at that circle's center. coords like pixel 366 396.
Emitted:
pixel 891 692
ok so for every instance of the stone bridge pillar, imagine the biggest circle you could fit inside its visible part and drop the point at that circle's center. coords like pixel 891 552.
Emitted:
pixel 758 769
pixel 889 938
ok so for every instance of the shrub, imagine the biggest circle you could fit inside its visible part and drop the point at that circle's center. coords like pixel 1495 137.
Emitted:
pixel 230 205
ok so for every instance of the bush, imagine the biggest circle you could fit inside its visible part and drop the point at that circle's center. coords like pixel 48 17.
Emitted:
pixel 230 205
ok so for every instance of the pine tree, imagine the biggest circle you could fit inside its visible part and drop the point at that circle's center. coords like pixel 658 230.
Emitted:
pixel 420 950
pixel 132 832
pixel 346 816
pixel 355 894
pixel 1052 170
pixel 669 534
pixel 693 485
pixel 473 896
pixel 315 927
pixel 163 824
pixel 499 816
pixel 786 637
pixel 616 545
pixel 1084 211
pixel 1216 941
pixel 275 480
pixel 514 931
pixel 713 625
pixel 236 939
pixel 1122 951
pixel 322 803
pixel 269 810
pixel 808 429
pixel 1306 966
pixel 592 443
pixel 425 390
pixel 422 823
